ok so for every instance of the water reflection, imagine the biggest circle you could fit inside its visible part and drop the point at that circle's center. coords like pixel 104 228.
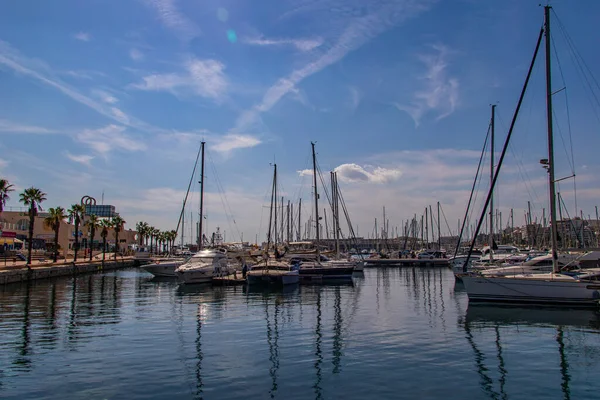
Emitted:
pixel 199 354
pixel 564 364
pixel 337 332
pixel 318 352
pixel 23 361
pixel 484 317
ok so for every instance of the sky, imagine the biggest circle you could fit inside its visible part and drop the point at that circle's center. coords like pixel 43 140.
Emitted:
pixel 113 99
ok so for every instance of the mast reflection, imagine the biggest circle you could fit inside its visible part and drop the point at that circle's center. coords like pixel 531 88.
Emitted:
pixel 199 354
pixel 272 340
pixel 564 364
pixel 485 381
pixel 318 352
pixel 337 332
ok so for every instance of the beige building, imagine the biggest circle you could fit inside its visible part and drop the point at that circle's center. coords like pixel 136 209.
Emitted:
pixel 15 232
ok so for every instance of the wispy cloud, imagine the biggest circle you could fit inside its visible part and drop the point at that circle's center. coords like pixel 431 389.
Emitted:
pixel 205 78
pixel 13 60
pixel 84 159
pixel 105 96
pixel 13 127
pixel 439 94
pixel 223 144
pixel 173 19
pixel 356 33
pixel 83 36
pixel 299 44
pixel 111 137
pixel 136 55
pixel 3 164
pixel 227 143
pixel 354 98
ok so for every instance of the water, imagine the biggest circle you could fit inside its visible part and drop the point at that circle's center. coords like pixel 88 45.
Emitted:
pixel 396 333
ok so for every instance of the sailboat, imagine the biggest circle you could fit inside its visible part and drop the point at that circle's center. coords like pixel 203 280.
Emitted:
pixel 317 270
pixel 551 288
pixel 206 263
pixel 167 267
pixel 272 271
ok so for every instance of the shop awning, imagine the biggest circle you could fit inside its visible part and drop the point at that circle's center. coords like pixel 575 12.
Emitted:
pixel 9 241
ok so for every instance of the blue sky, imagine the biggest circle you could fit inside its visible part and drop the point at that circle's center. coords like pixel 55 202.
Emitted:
pixel 116 96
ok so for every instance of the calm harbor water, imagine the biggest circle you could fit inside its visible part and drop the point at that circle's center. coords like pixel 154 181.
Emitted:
pixel 395 333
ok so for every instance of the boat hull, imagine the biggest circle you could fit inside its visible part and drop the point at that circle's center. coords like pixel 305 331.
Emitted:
pixel 266 278
pixel 326 274
pixel 531 290
pixel 165 269
pixel 195 276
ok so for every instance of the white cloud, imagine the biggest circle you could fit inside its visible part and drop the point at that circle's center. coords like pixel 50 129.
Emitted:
pixel 173 19
pixel 136 55
pixel 357 173
pixel 353 173
pixel 104 96
pixel 300 44
pixel 440 92
pixel 83 36
pixel 205 78
pixel 13 127
pixel 356 33
pixel 81 158
pixel 104 140
pixel 230 142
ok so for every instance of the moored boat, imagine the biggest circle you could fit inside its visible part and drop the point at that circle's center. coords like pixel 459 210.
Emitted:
pixel 203 266
pixel 165 267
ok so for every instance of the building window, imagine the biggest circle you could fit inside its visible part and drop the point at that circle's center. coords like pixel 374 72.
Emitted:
pixel 23 225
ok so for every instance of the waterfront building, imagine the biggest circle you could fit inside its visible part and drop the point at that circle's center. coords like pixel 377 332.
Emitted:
pixel 15 232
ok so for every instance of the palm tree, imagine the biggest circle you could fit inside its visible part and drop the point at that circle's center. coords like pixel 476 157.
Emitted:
pixel 173 237
pixel 5 189
pixel 52 221
pixel 142 229
pixel 105 224
pixel 117 223
pixel 75 216
pixel 31 197
pixel 150 232
pixel 92 223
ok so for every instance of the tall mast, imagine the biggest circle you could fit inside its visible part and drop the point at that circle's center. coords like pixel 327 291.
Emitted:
pixel 318 237
pixel 299 219
pixel 439 229
pixel 271 208
pixel 200 241
pixel 289 227
pixel 492 134
pixel 553 232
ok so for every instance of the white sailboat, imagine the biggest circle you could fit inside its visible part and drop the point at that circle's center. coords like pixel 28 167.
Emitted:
pixel 271 271
pixel 554 287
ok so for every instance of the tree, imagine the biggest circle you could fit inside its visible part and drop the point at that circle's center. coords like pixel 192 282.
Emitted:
pixel 142 230
pixel 117 223
pixel 5 189
pixel 92 223
pixel 76 213
pixel 150 232
pixel 173 237
pixel 105 224
pixel 52 221
pixel 31 197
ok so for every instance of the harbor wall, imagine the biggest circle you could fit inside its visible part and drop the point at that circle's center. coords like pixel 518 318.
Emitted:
pixel 51 271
